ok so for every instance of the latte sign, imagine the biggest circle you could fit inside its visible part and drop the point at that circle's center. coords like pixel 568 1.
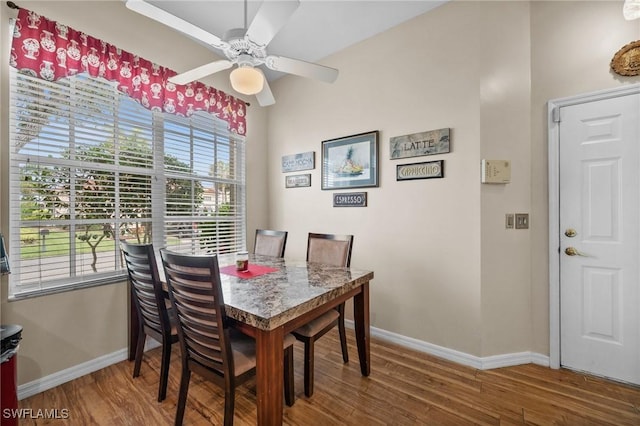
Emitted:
pixel 419 144
pixel 428 170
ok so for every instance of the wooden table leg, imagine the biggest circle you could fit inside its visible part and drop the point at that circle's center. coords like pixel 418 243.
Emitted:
pixel 269 376
pixel 361 319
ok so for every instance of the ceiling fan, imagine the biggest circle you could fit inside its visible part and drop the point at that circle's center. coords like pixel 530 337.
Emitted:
pixel 245 47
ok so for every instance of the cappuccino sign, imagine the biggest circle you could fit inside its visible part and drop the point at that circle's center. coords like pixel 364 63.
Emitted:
pixel 297 162
pixel 428 170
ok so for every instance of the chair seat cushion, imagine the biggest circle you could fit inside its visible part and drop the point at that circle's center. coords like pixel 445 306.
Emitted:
pixel 314 326
pixel 244 350
pixel 289 340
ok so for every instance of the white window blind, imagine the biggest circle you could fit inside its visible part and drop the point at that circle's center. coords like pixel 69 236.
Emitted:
pixel 90 167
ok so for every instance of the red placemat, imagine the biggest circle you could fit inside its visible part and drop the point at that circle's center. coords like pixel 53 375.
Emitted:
pixel 254 271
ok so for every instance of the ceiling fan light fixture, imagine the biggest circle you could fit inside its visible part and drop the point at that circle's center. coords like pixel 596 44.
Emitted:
pixel 247 80
pixel 631 9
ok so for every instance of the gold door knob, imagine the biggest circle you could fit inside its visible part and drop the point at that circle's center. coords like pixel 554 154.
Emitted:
pixel 571 251
pixel 570 233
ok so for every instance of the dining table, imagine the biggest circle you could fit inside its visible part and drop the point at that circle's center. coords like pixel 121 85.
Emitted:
pixel 274 297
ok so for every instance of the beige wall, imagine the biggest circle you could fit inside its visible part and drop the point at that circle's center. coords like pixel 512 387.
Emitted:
pixel 447 272
pixel 505 90
pixel 421 238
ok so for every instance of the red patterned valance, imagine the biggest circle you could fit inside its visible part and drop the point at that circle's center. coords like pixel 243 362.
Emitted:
pixel 51 51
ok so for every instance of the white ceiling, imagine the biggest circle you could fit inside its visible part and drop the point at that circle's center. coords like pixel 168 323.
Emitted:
pixel 316 29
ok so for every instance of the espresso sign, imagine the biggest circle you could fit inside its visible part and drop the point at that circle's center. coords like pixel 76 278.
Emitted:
pixel 297 162
pixel 428 170
pixel 350 199
pixel 418 144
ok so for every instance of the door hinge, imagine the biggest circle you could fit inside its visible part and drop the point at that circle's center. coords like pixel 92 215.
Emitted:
pixel 555 115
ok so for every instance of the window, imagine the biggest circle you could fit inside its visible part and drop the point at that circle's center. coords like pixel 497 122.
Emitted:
pixel 90 167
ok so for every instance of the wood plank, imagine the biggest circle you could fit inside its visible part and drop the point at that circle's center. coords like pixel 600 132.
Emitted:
pixel 405 387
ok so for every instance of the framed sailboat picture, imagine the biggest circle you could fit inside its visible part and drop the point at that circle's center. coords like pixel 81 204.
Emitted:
pixel 350 161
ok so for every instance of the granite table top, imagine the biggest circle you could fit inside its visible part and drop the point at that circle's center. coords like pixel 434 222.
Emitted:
pixel 270 300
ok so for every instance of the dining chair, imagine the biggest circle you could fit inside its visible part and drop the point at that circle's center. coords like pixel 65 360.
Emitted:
pixel 154 317
pixel 210 346
pixel 330 249
pixel 270 243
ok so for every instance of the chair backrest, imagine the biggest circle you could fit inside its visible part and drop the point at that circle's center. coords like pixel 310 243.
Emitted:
pixel 270 243
pixel 196 296
pixel 330 249
pixel 146 288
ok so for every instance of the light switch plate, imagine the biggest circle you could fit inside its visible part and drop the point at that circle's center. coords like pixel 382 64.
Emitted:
pixel 522 220
pixel 509 220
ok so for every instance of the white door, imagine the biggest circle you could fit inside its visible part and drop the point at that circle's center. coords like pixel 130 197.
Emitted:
pixel 599 195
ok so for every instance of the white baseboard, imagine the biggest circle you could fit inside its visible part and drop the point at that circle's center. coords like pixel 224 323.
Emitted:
pixel 482 363
pixel 51 381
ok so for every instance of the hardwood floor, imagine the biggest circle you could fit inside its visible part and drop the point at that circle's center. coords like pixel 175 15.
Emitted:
pixel 405 388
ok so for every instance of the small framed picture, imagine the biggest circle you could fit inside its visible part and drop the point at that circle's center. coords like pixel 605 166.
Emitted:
pixel 350 162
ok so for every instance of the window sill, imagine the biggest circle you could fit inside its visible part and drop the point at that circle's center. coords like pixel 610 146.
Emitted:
pixel 66 288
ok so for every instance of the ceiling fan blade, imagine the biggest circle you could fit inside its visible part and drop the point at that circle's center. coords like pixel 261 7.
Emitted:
pixel 265 97
pixel 301 68
pixel 157 14
pixel 201 71
pixel 270 18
